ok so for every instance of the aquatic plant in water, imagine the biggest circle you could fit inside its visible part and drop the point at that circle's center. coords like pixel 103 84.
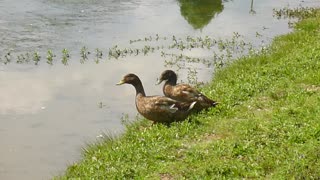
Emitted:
pixel 99 55
pixel 65 56
pixel 299 12
pixel 50 56
pixel 36 58
pixel 171 48
pixel 7 58
pixel 84 54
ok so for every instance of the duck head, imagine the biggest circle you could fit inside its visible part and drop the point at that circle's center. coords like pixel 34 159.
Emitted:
pixel 167 75
pixel 130 79
pixel 134 80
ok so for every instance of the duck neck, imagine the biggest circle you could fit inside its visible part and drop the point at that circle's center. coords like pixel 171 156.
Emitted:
pixel 171 82
pixel 139 89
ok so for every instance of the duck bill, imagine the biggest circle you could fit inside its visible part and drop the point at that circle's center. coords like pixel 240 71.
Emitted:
pixel 159 81
pixel 120 82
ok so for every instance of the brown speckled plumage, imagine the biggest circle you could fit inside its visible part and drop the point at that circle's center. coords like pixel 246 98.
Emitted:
pixel 157 108
pixel 184 92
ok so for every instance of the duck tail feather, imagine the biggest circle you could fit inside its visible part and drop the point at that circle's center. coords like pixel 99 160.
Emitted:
pixel 209 101
pixel 192 105
pixel 173 109
pixel 214 103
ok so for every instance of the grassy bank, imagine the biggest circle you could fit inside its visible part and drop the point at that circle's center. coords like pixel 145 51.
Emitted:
pixel 267 125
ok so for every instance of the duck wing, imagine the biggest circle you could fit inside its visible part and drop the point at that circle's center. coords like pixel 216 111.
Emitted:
pixel 166 104
pixel 185 93
pixel 163 109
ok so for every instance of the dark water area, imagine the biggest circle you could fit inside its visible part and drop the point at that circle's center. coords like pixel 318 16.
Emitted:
pixel 48 113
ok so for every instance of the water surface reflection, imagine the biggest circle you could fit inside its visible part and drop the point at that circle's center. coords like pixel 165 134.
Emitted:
pixel 47 113
pixel 199 13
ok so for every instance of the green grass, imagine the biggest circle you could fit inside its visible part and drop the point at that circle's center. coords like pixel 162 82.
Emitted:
pixel 266 126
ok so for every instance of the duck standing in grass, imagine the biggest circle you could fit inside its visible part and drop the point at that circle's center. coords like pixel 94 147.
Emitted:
pixel 184 92
pixel 159 109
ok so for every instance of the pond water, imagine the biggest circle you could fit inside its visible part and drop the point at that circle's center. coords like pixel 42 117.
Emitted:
pixel 48 113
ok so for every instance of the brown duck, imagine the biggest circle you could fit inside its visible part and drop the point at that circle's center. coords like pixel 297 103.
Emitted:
pixel 157 108
pixel 184 92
